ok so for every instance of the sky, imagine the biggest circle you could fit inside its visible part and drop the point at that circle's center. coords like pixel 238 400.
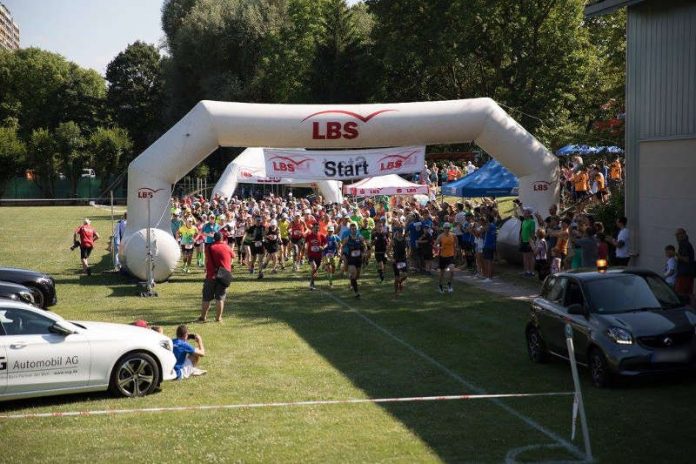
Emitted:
pixel 88 32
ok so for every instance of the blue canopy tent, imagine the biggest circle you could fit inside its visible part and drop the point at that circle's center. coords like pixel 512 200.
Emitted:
pixel 585 150
pixel 491 180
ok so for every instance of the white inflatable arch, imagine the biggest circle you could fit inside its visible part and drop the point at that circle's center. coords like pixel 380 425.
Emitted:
pixel 250 167
pixel 211 124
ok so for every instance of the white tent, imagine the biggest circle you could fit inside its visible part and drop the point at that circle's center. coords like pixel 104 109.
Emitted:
pixel 209 125
pixel 385 185
pixel 249 168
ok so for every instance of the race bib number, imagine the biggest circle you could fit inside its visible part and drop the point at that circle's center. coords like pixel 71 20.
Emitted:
pixel 258 244
pixel 271 237
pixel 401 265
pixel 297 233
pixel 355 253
pixel 188 246
pixel 330 254
pixel 315 248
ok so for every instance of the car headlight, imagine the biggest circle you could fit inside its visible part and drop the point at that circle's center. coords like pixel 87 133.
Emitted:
pixel 166 344
pixel 26 297
pixel 620 336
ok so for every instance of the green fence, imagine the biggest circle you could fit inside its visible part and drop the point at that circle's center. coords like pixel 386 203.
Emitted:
pixel 87 187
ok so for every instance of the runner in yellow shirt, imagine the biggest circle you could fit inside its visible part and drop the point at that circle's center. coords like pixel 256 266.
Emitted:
pixel 284 228
pixel 447 243
pixel 186 236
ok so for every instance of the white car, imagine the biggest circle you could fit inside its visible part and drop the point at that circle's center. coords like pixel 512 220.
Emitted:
pixel 42 354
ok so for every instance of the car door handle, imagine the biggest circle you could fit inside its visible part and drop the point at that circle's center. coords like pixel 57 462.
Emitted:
pixel 18 345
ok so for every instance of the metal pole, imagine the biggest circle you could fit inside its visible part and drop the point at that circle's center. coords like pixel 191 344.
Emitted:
pixel 113 237
pixel 578 392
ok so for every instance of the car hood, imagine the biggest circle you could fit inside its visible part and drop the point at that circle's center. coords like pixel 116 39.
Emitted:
pixel 14 275
pixel 10 287
pixel 108 330
pixel 647 323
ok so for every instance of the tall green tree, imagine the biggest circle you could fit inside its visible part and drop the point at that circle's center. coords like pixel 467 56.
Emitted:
pixel 110 150
pixel 341 57
pixel 134 97
pixel 12 154
pixel 44 158
pixel 70 145
pixel 42 89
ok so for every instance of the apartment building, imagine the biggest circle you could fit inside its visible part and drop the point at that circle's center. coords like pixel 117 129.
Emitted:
pixel 9 30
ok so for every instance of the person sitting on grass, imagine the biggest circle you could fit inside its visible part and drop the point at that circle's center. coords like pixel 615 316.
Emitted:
pixel 187 357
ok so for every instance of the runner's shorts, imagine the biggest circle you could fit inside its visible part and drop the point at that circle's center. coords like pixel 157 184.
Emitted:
pixel 445 262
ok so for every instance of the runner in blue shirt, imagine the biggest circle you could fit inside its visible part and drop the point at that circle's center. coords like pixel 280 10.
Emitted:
pixel 489 246
pixel 209 229
pixel 333 243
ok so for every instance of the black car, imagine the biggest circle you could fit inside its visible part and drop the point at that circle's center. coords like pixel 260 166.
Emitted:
pixel 625 322
pixel 42 286
pixel 16 292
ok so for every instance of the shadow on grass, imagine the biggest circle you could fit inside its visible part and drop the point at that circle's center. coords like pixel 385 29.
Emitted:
pixel 381 367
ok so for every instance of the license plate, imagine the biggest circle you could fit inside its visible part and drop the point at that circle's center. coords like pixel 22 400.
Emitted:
pixel 671 356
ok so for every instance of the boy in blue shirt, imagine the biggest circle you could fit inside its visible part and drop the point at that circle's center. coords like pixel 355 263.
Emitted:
pixel 187 357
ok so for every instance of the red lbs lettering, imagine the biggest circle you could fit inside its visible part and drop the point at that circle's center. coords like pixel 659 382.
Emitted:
pixel 389 165
pixel 281 166
pixel 334 130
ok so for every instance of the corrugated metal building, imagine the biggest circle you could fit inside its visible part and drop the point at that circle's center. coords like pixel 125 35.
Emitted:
pixel 660 122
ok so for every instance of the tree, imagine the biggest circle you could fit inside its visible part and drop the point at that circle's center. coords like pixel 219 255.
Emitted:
pixel 134 97
pixel 110 150
pixel 533 57
pixel 341 55
pixel 44 158
pixel 42 89
pixel 12 154
pixel 70 145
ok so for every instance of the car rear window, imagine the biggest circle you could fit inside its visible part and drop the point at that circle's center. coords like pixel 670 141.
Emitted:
pixel 621 294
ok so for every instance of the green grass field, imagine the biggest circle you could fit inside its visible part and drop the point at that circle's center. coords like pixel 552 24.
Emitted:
pixel 282 343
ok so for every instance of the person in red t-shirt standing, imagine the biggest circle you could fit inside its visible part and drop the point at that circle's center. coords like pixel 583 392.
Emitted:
pixel 86 236
pixel 217 254
pixel 315 248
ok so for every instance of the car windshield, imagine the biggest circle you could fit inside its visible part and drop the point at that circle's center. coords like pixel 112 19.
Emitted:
pixel 623 293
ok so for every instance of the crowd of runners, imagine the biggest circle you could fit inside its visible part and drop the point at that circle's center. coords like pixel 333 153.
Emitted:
pixel 397 236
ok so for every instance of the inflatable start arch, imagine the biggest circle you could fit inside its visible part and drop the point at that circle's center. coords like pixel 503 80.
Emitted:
pixel 211 124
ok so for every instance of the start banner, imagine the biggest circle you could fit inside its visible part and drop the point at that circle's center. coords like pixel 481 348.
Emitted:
pixel 342 164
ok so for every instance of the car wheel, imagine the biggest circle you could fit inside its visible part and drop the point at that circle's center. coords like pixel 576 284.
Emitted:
pixel 39 298
pixel 536 348
pixel 135 374
pixel 599 369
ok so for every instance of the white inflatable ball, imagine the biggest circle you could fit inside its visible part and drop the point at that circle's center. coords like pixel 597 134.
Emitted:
pixel 165 254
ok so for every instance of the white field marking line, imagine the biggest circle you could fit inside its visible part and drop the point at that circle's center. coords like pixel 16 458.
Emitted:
pixel 511 457
pixel 108 208
pixel 408 399
pixel 478 390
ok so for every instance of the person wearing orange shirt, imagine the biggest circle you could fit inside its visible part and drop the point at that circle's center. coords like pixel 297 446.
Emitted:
pixel 601 186
pixel 447 243
pixel 615 172
pixel 581 183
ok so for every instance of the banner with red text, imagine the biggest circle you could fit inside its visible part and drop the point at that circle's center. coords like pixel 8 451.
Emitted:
pixel 342 164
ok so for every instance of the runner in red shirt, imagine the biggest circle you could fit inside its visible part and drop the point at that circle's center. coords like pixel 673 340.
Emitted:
pixel 86 235
pixel 297 233
pixel 315 248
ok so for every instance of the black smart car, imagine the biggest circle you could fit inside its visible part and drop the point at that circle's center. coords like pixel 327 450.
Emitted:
pixel 42 286
pixel 625 322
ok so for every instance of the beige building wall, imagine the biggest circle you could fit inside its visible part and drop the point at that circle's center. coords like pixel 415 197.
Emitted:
pixel 666 198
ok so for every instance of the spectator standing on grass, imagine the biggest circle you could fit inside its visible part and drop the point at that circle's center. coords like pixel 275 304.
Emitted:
pixel 119 232
pixel 541 254
pixel 86 236
pixel 187 357
pixel 217 255
pixel 684 282
pixel 489 246
pixel 527 229
pixel 622 243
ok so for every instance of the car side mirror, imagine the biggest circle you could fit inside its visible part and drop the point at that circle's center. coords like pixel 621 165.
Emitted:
pixel 61 329
pixel 576 309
